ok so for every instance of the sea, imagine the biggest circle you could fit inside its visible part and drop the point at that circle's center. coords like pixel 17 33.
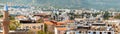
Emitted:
pixel 70 4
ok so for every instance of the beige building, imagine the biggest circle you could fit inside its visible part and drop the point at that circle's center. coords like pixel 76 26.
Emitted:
pixel 32 26
pixel 18 32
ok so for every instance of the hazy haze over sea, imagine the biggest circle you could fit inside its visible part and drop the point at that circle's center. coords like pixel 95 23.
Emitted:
pixel 95 4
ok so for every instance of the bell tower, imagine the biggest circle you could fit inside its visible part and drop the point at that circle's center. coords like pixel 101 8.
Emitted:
pixel 5 20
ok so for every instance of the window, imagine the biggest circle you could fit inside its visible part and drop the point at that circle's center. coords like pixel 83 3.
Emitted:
pixel 94 32
pixel 100 32
pixel 27 27
pixel 73 32
pixel 34 27
pixel 88 32
pixel 79 31
pixel 39 27
pixel 42 27
pixel 109 32
pixel 104 32
pixel 65 33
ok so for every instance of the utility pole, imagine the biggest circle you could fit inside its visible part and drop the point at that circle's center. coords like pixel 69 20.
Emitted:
pixel 6 20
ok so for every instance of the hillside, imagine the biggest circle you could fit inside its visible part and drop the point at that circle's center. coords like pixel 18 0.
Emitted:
pixel 96 4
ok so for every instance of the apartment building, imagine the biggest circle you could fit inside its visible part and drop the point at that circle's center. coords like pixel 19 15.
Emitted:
pixel 32 26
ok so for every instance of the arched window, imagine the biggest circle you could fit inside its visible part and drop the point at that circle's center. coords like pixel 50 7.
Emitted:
pixel 94 32
pixel 109 32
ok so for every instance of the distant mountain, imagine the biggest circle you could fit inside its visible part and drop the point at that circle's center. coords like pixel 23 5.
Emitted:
pixel 95 4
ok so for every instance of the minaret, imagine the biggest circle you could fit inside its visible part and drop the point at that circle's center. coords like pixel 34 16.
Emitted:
pixel 5 20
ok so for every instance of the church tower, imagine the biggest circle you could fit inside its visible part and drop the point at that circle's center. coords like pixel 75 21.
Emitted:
pixel 5 20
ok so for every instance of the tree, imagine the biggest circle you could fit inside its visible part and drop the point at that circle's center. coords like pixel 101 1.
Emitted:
pixel 45 27
pixel 12 18
pixel 1 16
pixel 106 15
pixel 50 32
pixel 45 30
pixel 71 17
pixel 41 32
pixel 117 16
pixel 14 24
pixel 95 14
pixel 40 20
pixel 30 32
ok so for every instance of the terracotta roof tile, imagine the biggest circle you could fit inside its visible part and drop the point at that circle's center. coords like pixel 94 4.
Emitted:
pixel 48 23
pixel 60 23
pixel 20 16
pixel 62 29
